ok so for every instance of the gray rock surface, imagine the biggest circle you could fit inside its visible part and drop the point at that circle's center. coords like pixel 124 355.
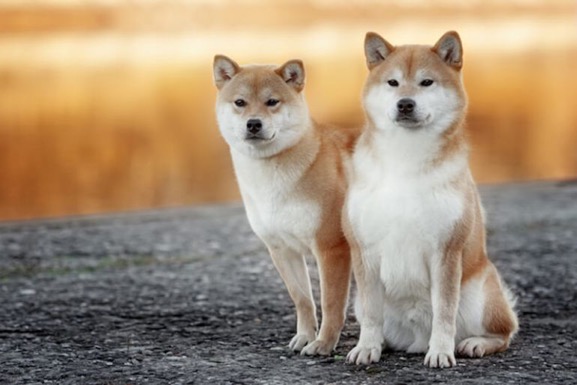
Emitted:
pixel 189 296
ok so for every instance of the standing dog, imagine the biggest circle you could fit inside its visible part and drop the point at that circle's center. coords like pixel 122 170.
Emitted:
pixel 291 177
pixel 413 214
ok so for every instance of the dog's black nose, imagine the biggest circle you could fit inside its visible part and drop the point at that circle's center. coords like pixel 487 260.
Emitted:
pixel 406 105
pixel 254 126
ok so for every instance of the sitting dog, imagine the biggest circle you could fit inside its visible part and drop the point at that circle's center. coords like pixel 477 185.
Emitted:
pixel 413 215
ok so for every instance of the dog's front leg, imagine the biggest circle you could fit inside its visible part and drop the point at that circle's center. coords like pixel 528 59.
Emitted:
pixel 445 271
pixel 372 296
pixel 293 270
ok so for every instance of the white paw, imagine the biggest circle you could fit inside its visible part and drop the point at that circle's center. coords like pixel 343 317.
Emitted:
pixel 364 355
pixel 299 341
pixel 472 347
pixel 318 347
pixel 440 359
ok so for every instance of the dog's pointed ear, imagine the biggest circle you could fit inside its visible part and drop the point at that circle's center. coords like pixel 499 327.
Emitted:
pixel 450 49
pixel 224 69
pixel 376 49
pixel 293 73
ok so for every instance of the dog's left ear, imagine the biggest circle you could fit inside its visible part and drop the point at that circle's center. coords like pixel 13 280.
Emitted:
pixel 293 73
pixel 450 49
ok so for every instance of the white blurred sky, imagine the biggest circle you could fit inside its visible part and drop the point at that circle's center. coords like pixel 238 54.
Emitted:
pixel 409 3
pixel 196 29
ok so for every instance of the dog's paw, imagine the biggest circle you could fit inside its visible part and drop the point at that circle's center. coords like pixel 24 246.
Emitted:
pixel 299 341
pixel 318 348
pixel 472 347
pixel 440 359
pixel 364 355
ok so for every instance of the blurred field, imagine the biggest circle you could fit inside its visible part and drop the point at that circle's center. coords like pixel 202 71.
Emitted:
pixel 108 108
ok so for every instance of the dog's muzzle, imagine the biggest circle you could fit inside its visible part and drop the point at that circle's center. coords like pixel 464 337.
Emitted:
pixel 406 113
pixel 406 106
pixel 255 131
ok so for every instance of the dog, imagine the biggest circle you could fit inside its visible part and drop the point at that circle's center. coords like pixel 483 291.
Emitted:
pixel 413 215
pixel 290 171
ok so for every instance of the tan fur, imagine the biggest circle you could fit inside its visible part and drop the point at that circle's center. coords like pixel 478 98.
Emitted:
pixel 499 319
pixel 324 182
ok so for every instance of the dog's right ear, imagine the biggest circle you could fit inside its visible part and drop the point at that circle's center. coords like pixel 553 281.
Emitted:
pixel 376 49
pixel 224 69
pixel 450 49
pixel 293 73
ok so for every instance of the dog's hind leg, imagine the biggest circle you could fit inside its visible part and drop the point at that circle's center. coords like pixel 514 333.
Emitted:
pixel 499 320
pixel 335 274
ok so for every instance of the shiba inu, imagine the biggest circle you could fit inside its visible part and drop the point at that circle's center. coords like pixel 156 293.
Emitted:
pixel 413 215
pixel 291 178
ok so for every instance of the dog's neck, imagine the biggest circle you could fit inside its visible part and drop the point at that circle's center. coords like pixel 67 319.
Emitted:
pixel 409 153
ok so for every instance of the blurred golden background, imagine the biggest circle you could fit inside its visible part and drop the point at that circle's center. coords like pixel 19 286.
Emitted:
pixel 108 105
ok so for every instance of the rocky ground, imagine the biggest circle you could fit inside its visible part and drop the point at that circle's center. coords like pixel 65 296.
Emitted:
pixel 190 296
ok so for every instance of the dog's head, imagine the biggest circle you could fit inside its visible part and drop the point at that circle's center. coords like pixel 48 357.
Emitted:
pixel 414 87
pixel 260 109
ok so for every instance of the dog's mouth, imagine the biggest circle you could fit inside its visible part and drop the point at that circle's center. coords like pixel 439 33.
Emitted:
pixel 410 121
pixel 258 138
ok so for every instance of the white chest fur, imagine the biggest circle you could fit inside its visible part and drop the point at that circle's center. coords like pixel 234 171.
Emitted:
pixel 277 212
pixel 401 216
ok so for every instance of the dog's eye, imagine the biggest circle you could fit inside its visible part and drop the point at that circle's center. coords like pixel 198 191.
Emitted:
pixel 272 102
pixel 427 82
pixel 239 103
pixel 393 83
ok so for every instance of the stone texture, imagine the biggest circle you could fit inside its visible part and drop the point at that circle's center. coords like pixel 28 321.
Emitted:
pixel 189 296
